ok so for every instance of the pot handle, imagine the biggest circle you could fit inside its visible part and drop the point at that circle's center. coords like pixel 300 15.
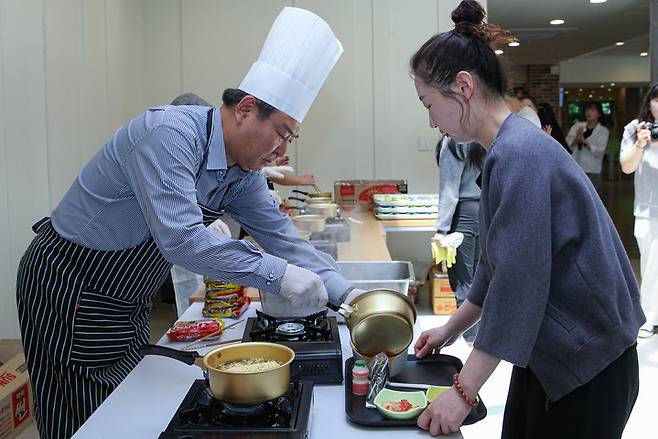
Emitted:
pixel 298 199
pixel 300 192
pixel 187 357
pixel 343 309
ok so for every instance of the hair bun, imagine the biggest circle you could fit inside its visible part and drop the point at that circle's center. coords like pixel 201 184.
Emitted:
pixel 468 11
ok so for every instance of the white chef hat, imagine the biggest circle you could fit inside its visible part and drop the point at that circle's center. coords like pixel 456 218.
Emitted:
pixel 298 54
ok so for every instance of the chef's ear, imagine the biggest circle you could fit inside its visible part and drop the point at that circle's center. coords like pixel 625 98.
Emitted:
pixel 245 107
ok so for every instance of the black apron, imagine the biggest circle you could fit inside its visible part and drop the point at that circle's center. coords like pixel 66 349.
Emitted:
pixel 84 314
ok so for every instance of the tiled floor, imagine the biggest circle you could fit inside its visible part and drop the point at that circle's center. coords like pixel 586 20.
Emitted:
pixel 618 198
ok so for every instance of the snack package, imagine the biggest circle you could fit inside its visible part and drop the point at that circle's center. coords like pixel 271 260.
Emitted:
pixel 195 329
pixel 231 309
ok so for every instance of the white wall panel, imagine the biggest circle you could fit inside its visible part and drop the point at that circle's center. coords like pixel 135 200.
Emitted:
pixel 95 126
pixel 336 138
pixel 163 66
pixel 401 122
pixel 21 37
pixel 63 73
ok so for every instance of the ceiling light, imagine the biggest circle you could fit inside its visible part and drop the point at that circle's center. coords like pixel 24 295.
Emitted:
pixel 514 44
pixel 589 96
pixel 580 89
pixel 619 43
pixel 498 52
pixel 557 21
pixel 609 89
pixel 566 92
pixel 644 54
pixel 602 85
pixel 598 1
pixel 612 84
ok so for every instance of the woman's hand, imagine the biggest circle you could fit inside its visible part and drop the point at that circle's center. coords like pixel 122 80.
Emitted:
pixel 643 135
pixel 548 129
pixel 438 238
pixel 434 339
pixel 445 414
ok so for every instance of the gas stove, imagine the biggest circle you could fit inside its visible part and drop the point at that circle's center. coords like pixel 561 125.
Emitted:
pixel 202 416
pixel 314 338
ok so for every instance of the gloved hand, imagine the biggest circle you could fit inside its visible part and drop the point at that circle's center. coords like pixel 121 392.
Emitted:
pixel 303 287
pixel 352 295
pixel 277 171
pixel 220 226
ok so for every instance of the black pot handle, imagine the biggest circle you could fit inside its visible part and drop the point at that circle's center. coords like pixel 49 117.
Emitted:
pixel 186 357
pixel 333 307
pixel 300 192
pixel 298 199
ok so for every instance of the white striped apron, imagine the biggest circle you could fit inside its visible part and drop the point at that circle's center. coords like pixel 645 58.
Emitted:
pixel 84 314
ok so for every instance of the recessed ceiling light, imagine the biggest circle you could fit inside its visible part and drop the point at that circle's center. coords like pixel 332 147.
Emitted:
pixel 498 52
pixel 557 21
pixel 514 44
pixel 566 92
pixel 619 43
pixel 589 96
pixel 644 54
pixel 609 89
pixel 612 84
pixel 580 89
pixel 598 1
pixel 602 85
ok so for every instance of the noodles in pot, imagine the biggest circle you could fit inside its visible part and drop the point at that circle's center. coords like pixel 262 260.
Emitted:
pixel 249 365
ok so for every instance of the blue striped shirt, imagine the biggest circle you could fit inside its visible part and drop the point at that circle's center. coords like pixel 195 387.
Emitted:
pixel 148 180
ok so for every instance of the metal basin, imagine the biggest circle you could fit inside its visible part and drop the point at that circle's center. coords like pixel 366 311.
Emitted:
pixel 371 275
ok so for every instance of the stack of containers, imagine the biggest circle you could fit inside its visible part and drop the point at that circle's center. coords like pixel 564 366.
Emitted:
pixel 406 206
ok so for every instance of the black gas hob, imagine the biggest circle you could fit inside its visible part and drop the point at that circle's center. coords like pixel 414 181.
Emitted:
pixel 314 338
pixel 202 416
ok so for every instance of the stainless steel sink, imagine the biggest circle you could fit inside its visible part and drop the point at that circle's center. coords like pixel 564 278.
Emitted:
pixel 370 275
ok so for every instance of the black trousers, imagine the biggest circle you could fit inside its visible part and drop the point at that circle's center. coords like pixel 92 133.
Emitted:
pixel 596 410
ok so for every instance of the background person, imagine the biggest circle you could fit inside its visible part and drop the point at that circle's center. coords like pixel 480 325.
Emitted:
pixel 588 141
pixel 460 166
pixel 639 155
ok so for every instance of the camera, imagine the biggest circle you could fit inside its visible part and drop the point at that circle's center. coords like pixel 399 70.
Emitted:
pixel 653 127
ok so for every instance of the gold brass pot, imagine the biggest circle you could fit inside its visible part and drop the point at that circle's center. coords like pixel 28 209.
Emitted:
pixel 319 200
pixel 321 195
pixel 379 321
pixel 310 223
pixel 241 388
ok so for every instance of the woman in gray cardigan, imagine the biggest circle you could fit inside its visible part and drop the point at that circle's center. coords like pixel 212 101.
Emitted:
pixel 554 290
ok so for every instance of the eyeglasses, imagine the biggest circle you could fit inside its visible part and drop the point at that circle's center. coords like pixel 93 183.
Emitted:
pixel 289 138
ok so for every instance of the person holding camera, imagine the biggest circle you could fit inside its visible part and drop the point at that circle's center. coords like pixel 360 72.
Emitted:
pixel 588 141
pixel 639 155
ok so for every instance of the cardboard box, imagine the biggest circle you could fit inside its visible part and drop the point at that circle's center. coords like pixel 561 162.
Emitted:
pixel 361 191
pixel 441 295
pixel 16 402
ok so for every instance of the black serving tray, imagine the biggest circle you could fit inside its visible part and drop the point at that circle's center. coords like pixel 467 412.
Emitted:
pixel 436 369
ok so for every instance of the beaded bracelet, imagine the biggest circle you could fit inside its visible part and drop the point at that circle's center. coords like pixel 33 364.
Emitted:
pixel 470 401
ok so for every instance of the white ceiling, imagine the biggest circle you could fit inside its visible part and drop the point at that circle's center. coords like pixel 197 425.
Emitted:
pixel 589 29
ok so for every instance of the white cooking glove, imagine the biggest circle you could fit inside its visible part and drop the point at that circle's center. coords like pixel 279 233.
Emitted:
pixel 277 171
pixel 352 295
pixel 220 226
pixel 276 197
pixel 303 287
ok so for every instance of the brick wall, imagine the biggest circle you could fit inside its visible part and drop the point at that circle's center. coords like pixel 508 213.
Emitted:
pixel 544 86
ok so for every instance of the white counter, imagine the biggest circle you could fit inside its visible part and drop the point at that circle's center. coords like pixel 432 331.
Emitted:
pixel 144 403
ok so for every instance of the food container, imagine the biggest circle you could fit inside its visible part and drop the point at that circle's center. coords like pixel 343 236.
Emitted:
pixel 328 210
pixel 386 396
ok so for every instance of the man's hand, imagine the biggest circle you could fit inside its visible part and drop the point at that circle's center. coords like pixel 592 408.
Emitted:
pixel 303 287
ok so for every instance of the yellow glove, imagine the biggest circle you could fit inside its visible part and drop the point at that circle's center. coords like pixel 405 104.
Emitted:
pixel 448 254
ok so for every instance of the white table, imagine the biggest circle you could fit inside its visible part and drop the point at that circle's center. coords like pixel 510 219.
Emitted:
pixel 144 403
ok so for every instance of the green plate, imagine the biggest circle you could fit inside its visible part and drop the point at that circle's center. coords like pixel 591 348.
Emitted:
pixel 387 395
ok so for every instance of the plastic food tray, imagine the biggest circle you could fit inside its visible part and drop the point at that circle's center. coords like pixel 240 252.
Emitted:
pixel 387 216
pixel 436 369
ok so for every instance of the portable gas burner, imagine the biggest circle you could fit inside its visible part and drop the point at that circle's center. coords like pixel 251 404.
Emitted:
pixel 202 416
pixel 314 339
